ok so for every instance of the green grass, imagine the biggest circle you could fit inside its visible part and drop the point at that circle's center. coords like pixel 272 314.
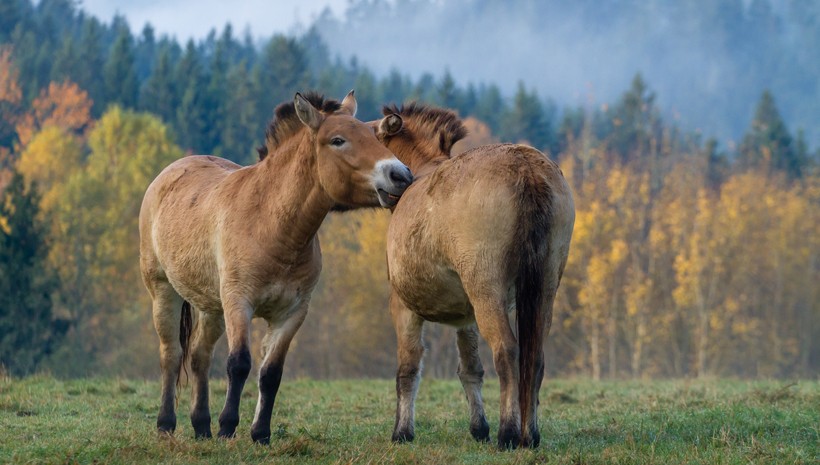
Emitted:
pixel 43 420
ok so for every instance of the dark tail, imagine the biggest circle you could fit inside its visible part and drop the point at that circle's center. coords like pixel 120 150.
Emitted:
pixel 186 328
pixel 531 248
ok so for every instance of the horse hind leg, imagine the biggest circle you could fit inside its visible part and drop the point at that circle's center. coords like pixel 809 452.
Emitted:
pixel 167 313
pixel 209 329
pixel 492 321
pixel 276 345
pixel 471 374
pixel 408 327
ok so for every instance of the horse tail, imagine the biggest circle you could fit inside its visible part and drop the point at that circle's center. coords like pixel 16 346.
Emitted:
pixel 532 247
pixel 186 328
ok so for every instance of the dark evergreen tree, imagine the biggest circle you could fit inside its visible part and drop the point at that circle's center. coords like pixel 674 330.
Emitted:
pixel 316 51
pixel 281 71
pixel 527 121
pixel 11 13
pixel 635 122
pixel 425 89
pixel 89 74
pixel 242 129
pixel 28 330
pixel 144 53
pixel 395 88
pixel 468 101
pixel 490 107
pixel 66 61
pixel 572 124
pixel 159 93
pixel 192 112
pixel 448 93
pixel 216 95
pixel 334 81
pixel 119 73
pixel 367 96
pixel 768 143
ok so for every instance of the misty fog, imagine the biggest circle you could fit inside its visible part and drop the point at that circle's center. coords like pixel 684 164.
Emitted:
pixel 708 61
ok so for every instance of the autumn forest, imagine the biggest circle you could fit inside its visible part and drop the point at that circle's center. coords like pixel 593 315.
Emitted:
pixel 691 256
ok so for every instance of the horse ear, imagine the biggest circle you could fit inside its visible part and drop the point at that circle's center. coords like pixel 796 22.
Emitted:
pixel 390 125
pixel 307 114
pixel 349 104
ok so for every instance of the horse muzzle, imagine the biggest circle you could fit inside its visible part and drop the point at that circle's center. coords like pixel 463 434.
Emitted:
pixel 391 178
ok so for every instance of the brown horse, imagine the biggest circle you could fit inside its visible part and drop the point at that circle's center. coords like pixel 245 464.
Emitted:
pixel 238 242
pixel 476 236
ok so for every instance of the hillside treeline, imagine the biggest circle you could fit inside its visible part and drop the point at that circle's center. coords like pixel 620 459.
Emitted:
pixel 709 59
pixel 688 259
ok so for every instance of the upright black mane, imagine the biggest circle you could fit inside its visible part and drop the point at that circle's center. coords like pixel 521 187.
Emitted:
pixel 431 119
pixel 285 122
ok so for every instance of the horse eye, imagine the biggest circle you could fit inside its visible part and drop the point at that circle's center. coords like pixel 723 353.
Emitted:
pixel 337 142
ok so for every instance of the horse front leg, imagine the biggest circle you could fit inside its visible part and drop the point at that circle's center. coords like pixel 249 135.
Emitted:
pixel 408 327
pixel 238 314
pixel 471 374
pixel 167 310
pixel 210 328
pixel 276 344
pixel 495 327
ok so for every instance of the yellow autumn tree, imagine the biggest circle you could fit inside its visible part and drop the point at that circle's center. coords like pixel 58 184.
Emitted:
pixel 97 243
pixel 49 160
pixel 348 328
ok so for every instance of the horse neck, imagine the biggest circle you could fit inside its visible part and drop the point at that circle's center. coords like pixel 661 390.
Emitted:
pixel 291 202
pixel 418 159
pixel 418 147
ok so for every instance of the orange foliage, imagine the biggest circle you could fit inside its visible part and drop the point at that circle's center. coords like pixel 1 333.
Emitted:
pixel 10 96
pixel 9 90
pixel 63 105
pixel 478 134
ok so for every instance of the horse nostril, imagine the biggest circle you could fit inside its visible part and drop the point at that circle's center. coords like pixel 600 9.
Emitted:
pixel 400 175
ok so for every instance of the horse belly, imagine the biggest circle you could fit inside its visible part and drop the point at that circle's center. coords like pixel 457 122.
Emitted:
pixel 436 295
pixel 280 301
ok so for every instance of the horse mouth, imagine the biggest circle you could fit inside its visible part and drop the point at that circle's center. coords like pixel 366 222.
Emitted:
pixel 387 199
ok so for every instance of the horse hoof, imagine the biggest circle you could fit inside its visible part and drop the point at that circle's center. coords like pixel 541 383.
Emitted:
pixel 224 434
pixel 509 438
pixel 403 436
pixel 166 426
pixel 206 434
pixel 261 437
pixel 534 441
pixel 481 431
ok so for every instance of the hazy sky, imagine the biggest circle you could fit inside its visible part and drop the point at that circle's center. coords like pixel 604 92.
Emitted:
pixel 194 18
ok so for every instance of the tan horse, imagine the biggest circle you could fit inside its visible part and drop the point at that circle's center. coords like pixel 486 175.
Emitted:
pixel 476 236
pixel 240 242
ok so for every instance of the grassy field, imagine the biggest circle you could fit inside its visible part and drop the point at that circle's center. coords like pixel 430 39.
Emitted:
pixel 43 420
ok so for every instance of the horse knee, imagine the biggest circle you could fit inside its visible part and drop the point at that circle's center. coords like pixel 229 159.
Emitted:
pixel 239 364
pixel 470 376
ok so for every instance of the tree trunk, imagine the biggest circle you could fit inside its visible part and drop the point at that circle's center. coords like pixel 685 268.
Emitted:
pixel 595 352
pixel 703 341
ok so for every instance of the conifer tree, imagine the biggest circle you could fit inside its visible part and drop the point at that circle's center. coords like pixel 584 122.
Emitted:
pixel 28 330
pixel 767 143
pixel 159 95
pixel 89 76
pixel 119 73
